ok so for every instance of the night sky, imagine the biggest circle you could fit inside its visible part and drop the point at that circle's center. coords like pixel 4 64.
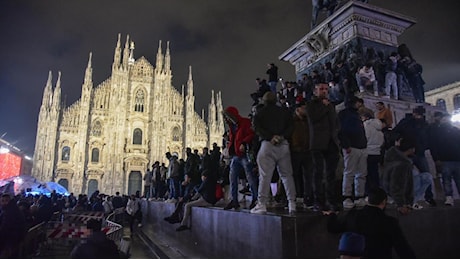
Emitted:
pixel 227 43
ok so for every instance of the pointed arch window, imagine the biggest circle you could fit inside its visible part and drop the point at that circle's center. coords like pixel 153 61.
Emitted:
pixel 95 155
pixel 65 154
pixel 441 103
pixel 137 136
pixel 96 129
pixel 176 134
pixel 456 101
pixel 139 101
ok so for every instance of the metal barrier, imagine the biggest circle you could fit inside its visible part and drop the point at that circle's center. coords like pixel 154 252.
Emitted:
pixel 115 232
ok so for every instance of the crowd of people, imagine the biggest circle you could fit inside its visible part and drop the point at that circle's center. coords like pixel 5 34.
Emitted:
pixel 287 150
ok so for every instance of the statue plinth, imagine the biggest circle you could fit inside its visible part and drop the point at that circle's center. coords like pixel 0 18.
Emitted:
pixel 355 26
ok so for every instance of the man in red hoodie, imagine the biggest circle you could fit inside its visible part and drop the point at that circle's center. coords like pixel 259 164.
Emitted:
pixel 240 136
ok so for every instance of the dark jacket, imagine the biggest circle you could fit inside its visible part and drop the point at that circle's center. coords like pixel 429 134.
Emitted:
pixel 323 124
pixel 13 227
pixel 300 138
pixel 444 142
pixel 207 188
pixel 382 232
pixel 273 120
pixel 352 132
pixel 97 246
pixel 415 128
pixel 397 178
pixel 272 74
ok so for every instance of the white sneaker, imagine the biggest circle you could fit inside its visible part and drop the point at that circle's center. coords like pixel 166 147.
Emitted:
pixel 348 204
pixel 360 202
pixel 292 207
pixel 139 225
pixel 259 209
pixel 386 96
pixel 449 201
pixel 417 206
pixel 376 93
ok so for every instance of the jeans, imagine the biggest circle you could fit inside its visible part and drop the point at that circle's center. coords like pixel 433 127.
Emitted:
pixel 200 202
pixel 269 157
pixel 421 182
pixel 450 170
pixel 174 187
pixel 391 84
pixel 236 165
pixel 354 172
pixel 422 165
pixel 272 85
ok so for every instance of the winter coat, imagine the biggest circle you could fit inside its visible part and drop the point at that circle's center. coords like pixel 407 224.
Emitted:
pixel 323 124
pixel 352 133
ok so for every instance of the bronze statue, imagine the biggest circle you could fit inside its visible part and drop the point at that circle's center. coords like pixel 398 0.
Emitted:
pixel 328 5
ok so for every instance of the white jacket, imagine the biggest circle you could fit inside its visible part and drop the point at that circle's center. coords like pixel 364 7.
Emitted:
pixel 374 135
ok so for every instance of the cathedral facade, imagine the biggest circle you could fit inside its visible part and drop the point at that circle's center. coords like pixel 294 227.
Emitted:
pixel 108 138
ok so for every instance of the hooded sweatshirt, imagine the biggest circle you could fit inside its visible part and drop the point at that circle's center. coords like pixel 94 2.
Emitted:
pixel 240 131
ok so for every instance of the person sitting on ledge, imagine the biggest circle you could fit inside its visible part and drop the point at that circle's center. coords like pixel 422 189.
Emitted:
pixel 366 78
pixel 205 197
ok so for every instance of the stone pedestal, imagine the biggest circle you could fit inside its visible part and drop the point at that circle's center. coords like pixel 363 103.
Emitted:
pixel 354 28
pixel 356 33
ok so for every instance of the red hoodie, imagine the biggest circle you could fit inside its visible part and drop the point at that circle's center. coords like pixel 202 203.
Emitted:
pixel 242 133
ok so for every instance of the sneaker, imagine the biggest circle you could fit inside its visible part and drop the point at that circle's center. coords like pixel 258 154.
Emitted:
pixel 259 209
pixel 449 201
pixel 376 93
pixel 292 207
pixel 386 96
pixel 318 206
pixel 253 204
pixel 360 202
pixel 139 225
pixel 232 205
pixel 181 228
pixel 348 204
pixel 432 202
pixel 308 204
pixel 417 206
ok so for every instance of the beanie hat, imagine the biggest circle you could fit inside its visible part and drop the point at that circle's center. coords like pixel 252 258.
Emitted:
pixel 352 244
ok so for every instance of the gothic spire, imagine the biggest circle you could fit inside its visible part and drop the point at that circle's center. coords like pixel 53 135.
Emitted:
pixel 167 67
pixel 117 54
pixel 88 82
pixel 159 64
pixel 126 53
pixel 47 92
pixel 190 82
pixel 57 93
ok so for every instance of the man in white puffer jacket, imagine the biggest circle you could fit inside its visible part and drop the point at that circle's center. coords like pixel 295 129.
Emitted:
pixel 375 140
